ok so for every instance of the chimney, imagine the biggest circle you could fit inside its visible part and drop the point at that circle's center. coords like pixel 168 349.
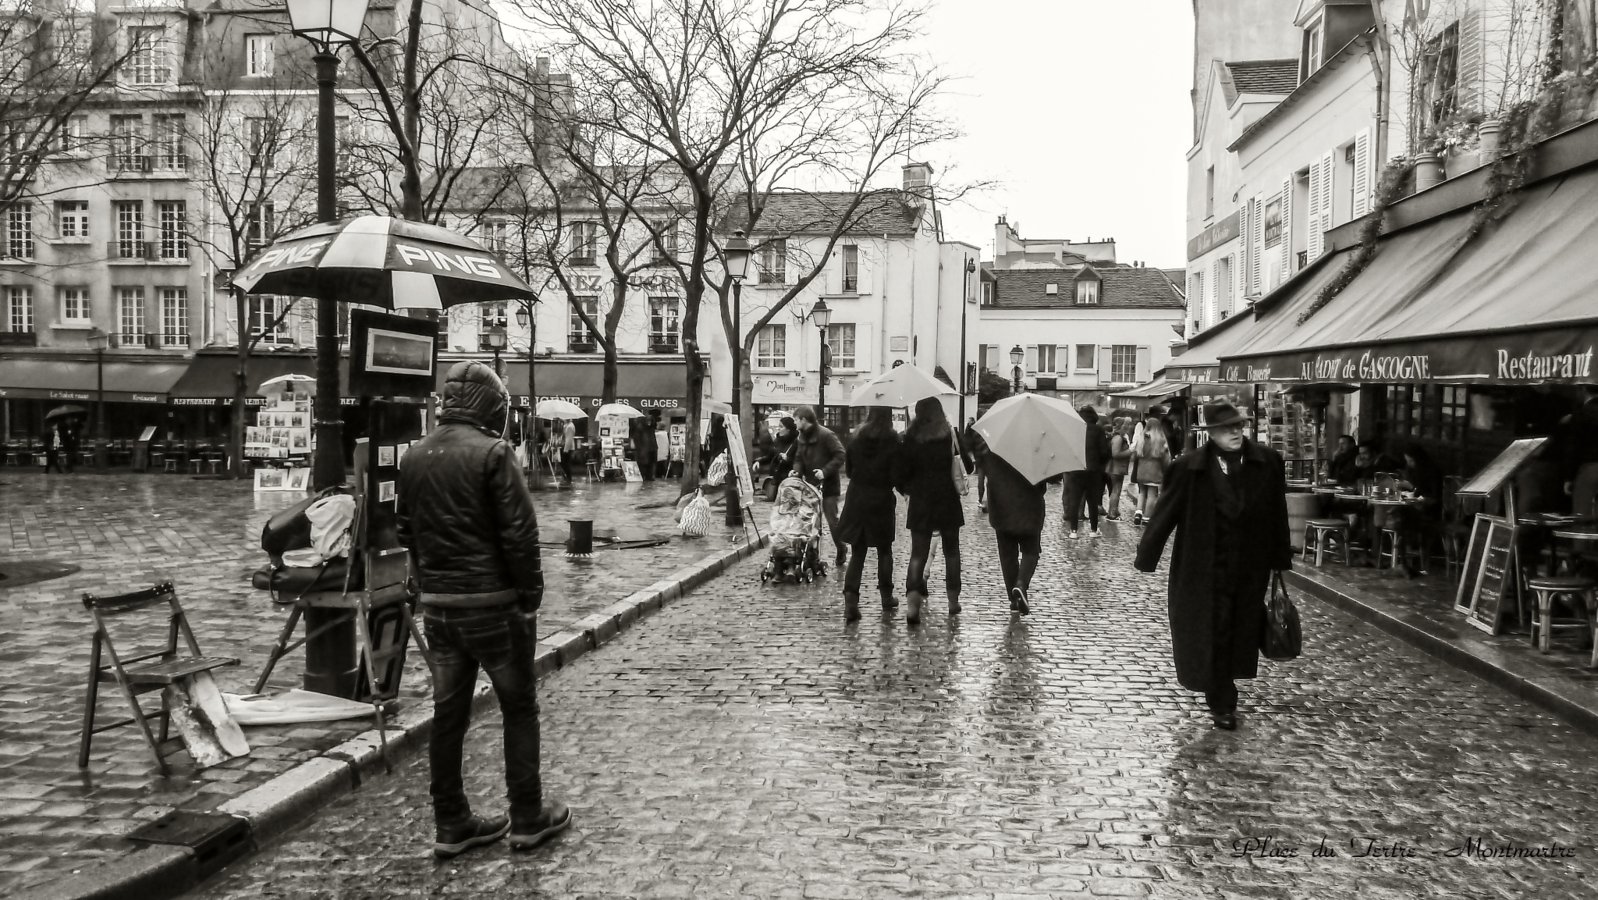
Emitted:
pixel 917 179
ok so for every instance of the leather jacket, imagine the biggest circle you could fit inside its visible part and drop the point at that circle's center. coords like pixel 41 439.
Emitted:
pixel 463 508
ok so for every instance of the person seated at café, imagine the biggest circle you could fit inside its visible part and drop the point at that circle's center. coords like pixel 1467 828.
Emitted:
pixel 1342 468
pixel 1419 521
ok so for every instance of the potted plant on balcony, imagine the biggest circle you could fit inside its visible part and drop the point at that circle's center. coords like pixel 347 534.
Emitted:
pixel 1451 145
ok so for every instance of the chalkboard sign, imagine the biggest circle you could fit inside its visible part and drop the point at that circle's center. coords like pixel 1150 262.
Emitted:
pixel 1496 473
pixel 1489 574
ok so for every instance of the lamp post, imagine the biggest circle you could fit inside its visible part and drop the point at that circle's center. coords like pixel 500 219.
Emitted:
pixel 98 341
pixel 327 24
pixel 822 316
pixel 1016 355
pixel 965 300
pixel 526 318
pixel 736 256
pixel 495 338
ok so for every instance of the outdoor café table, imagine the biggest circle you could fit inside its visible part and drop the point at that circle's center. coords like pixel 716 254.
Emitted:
pixel 1581 537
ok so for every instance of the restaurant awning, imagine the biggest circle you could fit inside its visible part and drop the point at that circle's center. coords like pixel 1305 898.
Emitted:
pixel 208 380
pixel 1159 388
pixel 643 384
pixel 125 380
pixel 1514 306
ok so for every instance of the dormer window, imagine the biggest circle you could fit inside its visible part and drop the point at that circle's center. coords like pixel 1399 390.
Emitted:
pixel 1314 46
pixel 1051 289
pixel 1087 292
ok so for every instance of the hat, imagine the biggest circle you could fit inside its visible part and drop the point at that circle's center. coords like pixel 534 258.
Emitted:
pixel 1219 413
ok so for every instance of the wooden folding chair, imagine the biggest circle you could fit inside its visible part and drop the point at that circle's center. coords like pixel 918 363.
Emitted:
pixel 169 666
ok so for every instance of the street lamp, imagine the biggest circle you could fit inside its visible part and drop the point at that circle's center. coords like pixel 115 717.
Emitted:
pixel 525 318
pixel 965 300
pixel 735 254
pixel 98 341
pixel 822 316
pixel 1016 355
pixel 327 24
pixel 495 339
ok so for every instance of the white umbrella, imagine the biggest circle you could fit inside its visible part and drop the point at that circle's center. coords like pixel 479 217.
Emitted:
pixel 900 386
pixel 302 384
pixel 558 409
pixel 1039 436
pixel 619 409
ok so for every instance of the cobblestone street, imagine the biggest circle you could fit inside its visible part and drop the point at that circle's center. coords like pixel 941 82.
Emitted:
pixel 747 743
pixel 127 531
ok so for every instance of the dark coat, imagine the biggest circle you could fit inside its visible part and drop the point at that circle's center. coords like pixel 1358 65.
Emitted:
pixel 463 509
pixel 870 510
pixel 1097 449
pixel 1015 505
pixel 1188 506
pixel 926 476
pixel 820 449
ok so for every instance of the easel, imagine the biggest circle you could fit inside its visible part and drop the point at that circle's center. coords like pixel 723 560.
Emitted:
pixel 1490 563
pixel 740 467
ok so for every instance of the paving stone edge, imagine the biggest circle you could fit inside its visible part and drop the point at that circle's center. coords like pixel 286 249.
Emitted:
pixel 272 809
pixel 1523 681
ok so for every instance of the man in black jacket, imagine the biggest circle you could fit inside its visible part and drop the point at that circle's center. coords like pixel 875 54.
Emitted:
pixel 467 517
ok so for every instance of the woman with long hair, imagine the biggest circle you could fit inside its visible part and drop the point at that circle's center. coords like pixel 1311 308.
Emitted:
pixel 870 510
pixel 1151 452
pixel 1120 464
pixel 928 455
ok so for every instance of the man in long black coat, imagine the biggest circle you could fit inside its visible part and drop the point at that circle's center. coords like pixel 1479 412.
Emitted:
pixel 1227 503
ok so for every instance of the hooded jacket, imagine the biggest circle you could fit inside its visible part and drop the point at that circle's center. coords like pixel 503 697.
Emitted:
pixel 462 506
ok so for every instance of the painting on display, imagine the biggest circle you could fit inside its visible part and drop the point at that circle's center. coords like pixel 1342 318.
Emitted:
pixel 1273 221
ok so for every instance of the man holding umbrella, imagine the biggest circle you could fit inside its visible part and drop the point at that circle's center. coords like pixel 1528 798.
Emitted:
pixel 1227 503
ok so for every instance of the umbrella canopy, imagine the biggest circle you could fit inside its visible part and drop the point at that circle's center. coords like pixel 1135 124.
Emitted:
pixel 716 408
pixel 293 381
pixel 381 261
pixel 64 411
pixel 900 386
pixel 558 409
pixel 619 409
pixel 1040 436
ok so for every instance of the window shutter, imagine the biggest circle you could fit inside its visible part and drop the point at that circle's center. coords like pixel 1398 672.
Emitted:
pixel 1362 173
pixel 862 347
pixel 1317 194
pixel 1245 217
pixel 1328 197
pixel 831 281
pixel 1106 358
pixel 1472 59
pixel 1062 359
pixel 864 273
pixel 1257 242
pixel 1287 232
pixel 1031 360
pixel 982 357
pixel 1144 370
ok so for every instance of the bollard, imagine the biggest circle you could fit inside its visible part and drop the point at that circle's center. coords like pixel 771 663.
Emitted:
pixel 580 540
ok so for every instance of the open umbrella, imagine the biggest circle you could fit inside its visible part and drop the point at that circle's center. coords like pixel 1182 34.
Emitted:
pixel 900 386
pixel 1040 436
pixel 292 382
pixel 63 411
pixel 619 409
pixel 558 409
pixel 381 261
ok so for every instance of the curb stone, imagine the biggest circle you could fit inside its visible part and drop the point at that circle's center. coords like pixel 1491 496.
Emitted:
pixel 274 808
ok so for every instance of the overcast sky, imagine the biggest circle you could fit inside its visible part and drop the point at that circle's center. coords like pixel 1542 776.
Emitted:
pixel 1079 110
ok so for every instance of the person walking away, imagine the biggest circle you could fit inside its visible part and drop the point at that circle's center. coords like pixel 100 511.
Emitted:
pixel 662 467
pixel 928 456
pixel 55 450
pixel 1120 463
pixel 1015 510
pixel 1151 451
pixel 978 450
pixel 648 447
pixel 819 456
pixel 1086 486
pixel 870 510
pixel 568 448
pixel 466 515
pixel 1226 502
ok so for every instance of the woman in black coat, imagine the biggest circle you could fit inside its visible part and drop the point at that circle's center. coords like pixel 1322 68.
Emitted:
pixel 1015 510
pixel 927 478
pixel 1227 503
pixel 869 508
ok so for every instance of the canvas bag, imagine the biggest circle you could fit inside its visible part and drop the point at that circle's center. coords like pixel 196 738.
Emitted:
pixel 695 520
pixel 957 467
pixel 717 473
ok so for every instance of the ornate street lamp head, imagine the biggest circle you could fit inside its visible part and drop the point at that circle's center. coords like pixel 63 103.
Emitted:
pixel 327 22
pixel 736 251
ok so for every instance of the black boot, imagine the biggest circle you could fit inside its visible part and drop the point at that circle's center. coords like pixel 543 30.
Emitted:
pixel 889 601
pixel 851 606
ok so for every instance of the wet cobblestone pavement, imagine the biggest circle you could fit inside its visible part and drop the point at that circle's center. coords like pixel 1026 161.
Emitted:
pixel 747 743
pixel 130 530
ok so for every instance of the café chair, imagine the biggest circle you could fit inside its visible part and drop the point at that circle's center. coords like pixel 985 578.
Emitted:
pixel 171 664
pixel 1573 587
pixel 1318 531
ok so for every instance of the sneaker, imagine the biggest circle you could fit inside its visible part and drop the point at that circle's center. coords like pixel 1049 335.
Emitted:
pixel 1018 601
pixel 981 506
pixel 1137 517
pixel 1071 534
pixel 552 820
pixel 1093 532
pixel 453 840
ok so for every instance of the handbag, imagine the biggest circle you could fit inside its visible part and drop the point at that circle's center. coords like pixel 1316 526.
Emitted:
pixel 696 516
pixel 1282 638
pixel 717 473
pixel 957 467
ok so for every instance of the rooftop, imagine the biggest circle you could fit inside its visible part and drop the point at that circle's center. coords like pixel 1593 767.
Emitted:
pixel 1121 287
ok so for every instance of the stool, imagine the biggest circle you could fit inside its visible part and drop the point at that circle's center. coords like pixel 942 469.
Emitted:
pixel 1391 546
pixel 1574 586
pixel 170 465
pixel 1319 531
pixel 215 462
pixel 593 470
pixel 195 464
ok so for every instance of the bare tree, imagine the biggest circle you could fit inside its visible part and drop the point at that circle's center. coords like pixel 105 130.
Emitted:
pixel 688 81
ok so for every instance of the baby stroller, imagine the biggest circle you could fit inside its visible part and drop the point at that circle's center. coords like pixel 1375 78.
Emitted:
pixel 795 533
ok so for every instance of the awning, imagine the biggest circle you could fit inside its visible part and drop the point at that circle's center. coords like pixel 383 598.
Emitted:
pixel 640 384
pixel 1517 306
pixel 209 378
pixel 125 380
pixel 1159 388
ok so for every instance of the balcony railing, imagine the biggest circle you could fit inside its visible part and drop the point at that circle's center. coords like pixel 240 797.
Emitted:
pixel 663 343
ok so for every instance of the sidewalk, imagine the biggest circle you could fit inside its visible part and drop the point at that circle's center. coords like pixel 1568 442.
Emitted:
pixel 127 531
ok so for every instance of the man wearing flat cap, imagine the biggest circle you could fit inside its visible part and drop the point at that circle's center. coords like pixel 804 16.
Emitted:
pixel 1227 503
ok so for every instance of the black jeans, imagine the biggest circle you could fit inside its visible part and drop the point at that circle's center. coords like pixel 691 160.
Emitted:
pixel 857 566
pixel 921 547
pixel 499 639
pixel 1018 559
pixel 1079 487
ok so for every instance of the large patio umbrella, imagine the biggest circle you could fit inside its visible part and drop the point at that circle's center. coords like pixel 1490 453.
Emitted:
pixel 293 382
pixel 1040 436
pixel 381 261
pixel 61 412
pixel 618 409
pixel 900 386
pixel 558 409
